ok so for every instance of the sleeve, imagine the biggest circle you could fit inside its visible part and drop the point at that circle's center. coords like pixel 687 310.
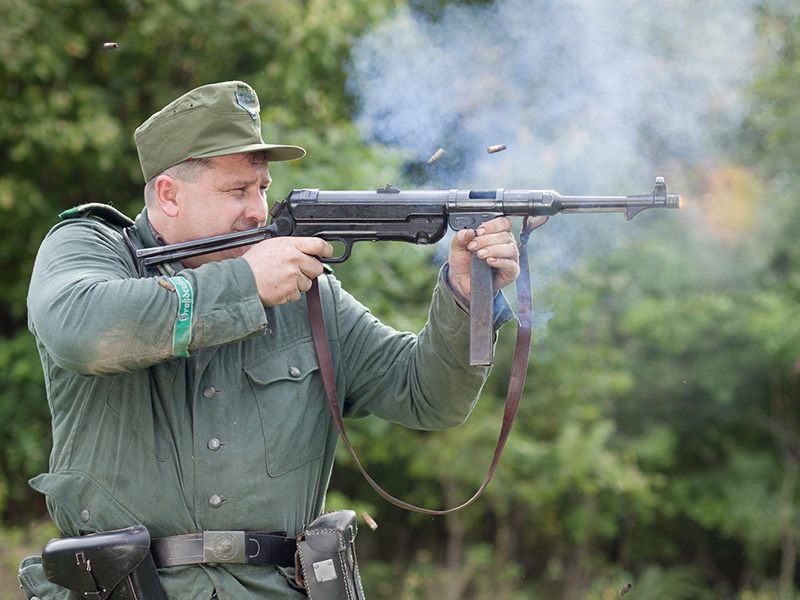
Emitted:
pixel 422 381
pixel 93 315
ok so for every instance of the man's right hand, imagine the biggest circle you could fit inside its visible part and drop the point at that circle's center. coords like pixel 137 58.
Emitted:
pixel 284 267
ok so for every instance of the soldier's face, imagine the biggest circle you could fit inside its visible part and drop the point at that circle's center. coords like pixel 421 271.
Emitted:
pixel 230 196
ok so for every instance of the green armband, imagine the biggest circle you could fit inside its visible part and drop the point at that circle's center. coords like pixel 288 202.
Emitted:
pixel 182 335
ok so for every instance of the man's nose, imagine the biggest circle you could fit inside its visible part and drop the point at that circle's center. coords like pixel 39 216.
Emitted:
pixel 256 208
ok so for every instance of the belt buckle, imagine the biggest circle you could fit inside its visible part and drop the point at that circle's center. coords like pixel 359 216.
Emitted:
pixel 223 546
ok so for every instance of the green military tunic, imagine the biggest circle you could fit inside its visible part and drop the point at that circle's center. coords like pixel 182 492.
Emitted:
pixel 221 422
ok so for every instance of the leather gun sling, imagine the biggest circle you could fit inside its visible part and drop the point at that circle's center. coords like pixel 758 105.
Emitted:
pixel 516 382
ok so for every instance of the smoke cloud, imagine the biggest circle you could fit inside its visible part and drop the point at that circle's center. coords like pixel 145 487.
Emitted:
pixel 590 97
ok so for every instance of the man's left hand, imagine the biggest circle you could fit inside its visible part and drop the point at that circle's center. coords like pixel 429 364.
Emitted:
pixel 492 241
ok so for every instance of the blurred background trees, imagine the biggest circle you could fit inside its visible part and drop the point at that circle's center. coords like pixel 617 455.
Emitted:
pixel 659 437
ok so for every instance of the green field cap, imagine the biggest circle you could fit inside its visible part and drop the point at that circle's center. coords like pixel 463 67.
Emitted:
pixel 212 120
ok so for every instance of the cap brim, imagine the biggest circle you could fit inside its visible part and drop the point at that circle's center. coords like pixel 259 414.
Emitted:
pixel 274 152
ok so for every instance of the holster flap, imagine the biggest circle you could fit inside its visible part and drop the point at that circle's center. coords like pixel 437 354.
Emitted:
pixel 93 565
pixel 332 531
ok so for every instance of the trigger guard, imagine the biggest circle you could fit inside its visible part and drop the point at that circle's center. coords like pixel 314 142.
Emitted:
pixel 348 248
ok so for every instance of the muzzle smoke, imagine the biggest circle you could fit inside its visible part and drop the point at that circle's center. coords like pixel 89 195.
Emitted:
pixel 588 96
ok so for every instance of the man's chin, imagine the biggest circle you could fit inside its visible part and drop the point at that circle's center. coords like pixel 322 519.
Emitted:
pixel 237 252
pixel 197 261
pixel 231 253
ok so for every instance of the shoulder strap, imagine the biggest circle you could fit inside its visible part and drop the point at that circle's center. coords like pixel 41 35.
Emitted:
pixel 98 211
pixel 519 368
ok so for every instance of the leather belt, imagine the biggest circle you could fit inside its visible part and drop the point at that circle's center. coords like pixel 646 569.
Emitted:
pixel 213 547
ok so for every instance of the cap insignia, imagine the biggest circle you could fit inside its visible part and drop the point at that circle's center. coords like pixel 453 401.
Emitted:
pixel 249 102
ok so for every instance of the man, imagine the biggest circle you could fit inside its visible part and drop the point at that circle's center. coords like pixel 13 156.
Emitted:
pixel 190 399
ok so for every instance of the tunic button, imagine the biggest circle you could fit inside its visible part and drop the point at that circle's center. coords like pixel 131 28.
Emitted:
pixel 294 372
pixel 209 392
pixel 214 444
pixel 215 501
pixel 85 516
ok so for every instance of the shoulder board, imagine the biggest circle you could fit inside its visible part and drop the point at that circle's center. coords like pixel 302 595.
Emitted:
pixel 98 211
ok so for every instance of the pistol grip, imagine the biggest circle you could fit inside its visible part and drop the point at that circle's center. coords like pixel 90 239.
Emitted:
pixel 481 313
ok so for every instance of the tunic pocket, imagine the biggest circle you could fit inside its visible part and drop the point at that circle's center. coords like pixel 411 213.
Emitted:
pixel 294 412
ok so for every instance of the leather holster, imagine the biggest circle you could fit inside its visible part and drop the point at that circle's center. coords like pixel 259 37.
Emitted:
pixel 113 565
pixel 326 558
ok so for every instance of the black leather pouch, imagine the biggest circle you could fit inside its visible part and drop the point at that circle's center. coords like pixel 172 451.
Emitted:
pixel 326 558
pixel 113 565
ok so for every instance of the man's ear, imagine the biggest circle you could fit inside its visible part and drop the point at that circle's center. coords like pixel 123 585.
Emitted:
pixel 167 191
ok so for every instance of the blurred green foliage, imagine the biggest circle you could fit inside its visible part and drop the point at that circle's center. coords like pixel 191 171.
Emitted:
pixel 659 437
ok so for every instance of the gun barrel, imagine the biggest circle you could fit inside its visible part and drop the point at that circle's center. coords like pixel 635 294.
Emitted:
pixel 572 204
pixel 630 206
pixel 469 208
pixel 548 202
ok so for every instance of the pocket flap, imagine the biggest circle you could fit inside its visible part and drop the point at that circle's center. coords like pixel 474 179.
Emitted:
pixel 296 362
